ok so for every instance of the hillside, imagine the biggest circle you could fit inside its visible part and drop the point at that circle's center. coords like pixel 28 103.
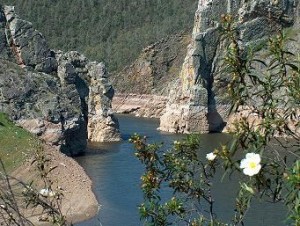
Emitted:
pixel 114 32
pixel 156 68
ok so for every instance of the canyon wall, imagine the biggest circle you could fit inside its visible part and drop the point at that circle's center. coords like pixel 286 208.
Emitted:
pixel 62 97
pixel 198 102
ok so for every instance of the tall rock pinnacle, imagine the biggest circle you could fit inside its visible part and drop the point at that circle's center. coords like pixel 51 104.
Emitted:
pixel 198 102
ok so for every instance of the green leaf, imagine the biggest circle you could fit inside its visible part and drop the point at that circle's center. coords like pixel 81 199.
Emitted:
pixel 293 66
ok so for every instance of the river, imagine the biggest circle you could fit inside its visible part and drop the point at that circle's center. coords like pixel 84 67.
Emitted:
pixel 116 172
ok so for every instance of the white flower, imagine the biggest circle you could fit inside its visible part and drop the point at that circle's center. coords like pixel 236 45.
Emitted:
pixel 251 164
pixel 211 156
pixel 47 192
pixel 176 142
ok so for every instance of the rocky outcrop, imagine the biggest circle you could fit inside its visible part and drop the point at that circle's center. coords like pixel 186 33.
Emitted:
pixel 27 45
pixel 102 125
pixel 198 102
pixel 140 105
pixel 62 97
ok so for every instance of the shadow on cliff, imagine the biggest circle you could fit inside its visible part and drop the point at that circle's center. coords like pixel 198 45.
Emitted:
pixel 214 119
pixel 77 140
pixel 215 122
pixel 205 78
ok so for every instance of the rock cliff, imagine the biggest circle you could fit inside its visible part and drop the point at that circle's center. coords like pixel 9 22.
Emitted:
pixel 62 97
pixel 198 102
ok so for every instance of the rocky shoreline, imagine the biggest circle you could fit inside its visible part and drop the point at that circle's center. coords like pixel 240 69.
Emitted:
pixel 69 178
pixel 64 99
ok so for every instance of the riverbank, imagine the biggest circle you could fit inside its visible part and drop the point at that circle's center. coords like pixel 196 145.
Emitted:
pixel 69 178
pixel 139 105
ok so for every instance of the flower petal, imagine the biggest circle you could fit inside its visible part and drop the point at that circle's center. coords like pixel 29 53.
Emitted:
pixel 251 164
pixel 256 169
pixel 211 156
pixel 249 155
pixel 244 163
pixel 256 158
pixel 248 172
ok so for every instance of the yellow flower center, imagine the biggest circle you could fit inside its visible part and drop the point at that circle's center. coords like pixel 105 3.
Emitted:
pixel 252 165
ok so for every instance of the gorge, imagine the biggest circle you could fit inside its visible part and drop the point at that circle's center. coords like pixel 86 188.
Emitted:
pixel 195 92
pixel 66 99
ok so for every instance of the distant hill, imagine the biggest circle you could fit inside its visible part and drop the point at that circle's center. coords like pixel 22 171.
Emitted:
pixel 113 31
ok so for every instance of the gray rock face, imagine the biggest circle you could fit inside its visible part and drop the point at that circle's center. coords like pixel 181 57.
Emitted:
pixel 27 45
pixel 61 97
pixel 90 81
pixel 101 120
pixel 198 102
pixel 4 50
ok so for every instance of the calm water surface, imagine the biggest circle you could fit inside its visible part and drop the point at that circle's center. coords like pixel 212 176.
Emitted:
pixel 116 172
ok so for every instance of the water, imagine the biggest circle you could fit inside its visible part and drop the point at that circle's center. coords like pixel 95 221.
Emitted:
pixel 116 172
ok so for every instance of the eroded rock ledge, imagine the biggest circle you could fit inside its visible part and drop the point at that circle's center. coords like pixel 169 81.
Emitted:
pixel 62 97
pixel 140 105
pixel 198 102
